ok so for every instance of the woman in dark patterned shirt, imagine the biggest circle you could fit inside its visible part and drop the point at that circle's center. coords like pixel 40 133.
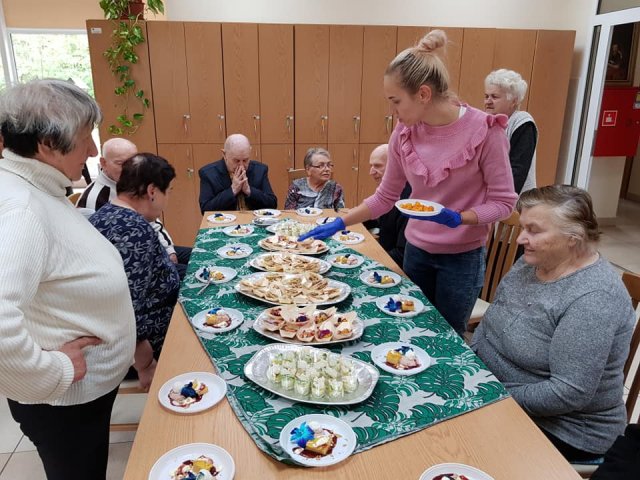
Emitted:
pixel 143 192
pixel 317 190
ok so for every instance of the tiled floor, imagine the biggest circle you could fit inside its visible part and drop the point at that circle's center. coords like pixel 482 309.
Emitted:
pixel 620 244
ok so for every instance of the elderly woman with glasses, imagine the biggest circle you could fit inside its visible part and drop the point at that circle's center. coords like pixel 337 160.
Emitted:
pixel 67 329
pixel 317 189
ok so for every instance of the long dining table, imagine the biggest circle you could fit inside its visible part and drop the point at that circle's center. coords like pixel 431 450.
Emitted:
pixel 499 438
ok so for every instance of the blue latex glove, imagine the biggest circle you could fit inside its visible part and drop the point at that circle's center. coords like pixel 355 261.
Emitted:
pixel 447 217
pixel 325 230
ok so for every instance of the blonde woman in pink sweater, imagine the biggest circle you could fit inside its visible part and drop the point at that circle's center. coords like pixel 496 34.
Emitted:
pixel 452 154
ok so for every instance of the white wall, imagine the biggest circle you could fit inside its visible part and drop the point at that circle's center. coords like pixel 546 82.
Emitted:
pixel 604 185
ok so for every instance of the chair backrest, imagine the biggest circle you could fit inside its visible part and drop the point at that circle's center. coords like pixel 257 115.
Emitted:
pixel 73 198
pixel 501 253
pixel 295 174
pixel 632 282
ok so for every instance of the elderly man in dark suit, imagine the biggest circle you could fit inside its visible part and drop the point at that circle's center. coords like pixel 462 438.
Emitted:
pixel 235 182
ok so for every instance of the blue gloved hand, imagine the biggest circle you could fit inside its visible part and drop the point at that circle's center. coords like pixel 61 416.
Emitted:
pixel 447 217
pixel 325 230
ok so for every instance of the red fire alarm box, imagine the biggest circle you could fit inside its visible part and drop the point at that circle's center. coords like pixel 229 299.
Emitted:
pixel 618 123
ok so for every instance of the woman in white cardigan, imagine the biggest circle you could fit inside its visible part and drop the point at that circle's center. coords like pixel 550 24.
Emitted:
pixel 67 329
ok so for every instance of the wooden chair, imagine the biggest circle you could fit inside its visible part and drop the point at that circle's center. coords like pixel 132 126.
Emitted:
pixel 127 387
pixel 74 197
pixel 501 253
pixel 295 174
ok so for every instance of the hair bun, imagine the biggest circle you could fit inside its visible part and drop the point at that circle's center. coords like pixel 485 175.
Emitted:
pixel 432 41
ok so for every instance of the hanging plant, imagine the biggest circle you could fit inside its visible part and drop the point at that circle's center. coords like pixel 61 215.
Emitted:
pixel 121 56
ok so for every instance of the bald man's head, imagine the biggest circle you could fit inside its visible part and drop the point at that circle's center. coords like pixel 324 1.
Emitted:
pixel 236 151
pixel 378 162
pixel 115 152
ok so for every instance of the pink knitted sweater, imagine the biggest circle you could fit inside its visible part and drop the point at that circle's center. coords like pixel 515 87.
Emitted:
pixel 463 166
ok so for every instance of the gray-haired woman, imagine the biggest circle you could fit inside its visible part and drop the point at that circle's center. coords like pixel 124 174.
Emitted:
pixel 557 334
pixel 504 92
pixel 67 329
pixel 317 189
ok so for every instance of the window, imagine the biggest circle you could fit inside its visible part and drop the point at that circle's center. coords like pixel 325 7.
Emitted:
pixel 607 6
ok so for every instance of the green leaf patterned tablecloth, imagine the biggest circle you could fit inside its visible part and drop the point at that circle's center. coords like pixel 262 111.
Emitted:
pixel 457 383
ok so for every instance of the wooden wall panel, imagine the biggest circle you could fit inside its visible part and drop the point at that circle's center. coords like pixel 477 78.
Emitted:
pixel 203 44
pixel 300 150
pixel 279 159
pixel 170 84
pixel 241 89
pixel 548 97
pixel 99 35
pixel 453 55
pixel 345 170
pixel 366 183
pixel 345 82
pixel 379 50
pixel 311 83
pixel 514 50
pixel 409 37
pixel 276 83
pixel 477 62
pixel 203 154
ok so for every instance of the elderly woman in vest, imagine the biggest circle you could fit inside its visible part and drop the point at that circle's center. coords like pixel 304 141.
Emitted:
pixel 504 92
pixel 557 334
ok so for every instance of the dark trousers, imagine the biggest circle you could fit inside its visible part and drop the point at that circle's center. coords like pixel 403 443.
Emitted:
pixel 183 254
pixel 571 453
pixel 71 438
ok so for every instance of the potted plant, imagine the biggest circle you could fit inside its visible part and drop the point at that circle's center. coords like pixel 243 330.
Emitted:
pixel 121 55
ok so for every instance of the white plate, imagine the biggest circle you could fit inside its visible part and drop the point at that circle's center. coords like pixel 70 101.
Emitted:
pixel 167 463
pixel 258 326
pixel 229 274
pixel 365 277
pixel 379 357
pixel 241 250
pixel 267 212
pixel 381 303
pixel 256 371
pixel 331 259
pixel 266 245
pixel 221 218
pixel 344 288
pixel 345 444
pixel 238 230
pixel 198 321
pixel 456 468
pixel 309 211
pixel 265 221
pixel 436 207
pixel 216 385
pixel 323 220
pixel 353 237
pixel 255 262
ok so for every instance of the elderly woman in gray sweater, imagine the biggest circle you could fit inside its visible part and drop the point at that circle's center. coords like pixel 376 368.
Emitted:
pixel 557 334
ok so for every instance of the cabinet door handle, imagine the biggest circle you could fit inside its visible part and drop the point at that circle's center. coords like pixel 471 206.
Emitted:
pixel 388 123
pixel 190 172
pixel 221 122
pixel 287 122
pixel 185 123
pixel 323 122
pixel 256 119
pixel 356 125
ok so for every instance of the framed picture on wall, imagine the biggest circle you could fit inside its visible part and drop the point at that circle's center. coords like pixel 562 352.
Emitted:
pixel 623 51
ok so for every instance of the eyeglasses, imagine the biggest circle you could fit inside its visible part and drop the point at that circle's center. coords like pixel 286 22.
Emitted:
pixel 322 165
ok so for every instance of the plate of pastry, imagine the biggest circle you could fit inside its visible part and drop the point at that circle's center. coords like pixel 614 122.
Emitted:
pixel 192 392
pixel 309 324
pixel 348 237
pixel 317 440
pixel 238 230
pixel 221 218
pixel 235 250
pixel 380 278
pixel 418 208
pixel 213 274
pixel 309 211
pixel 345 260
pixel 288 243
pixel 454 471
pixel 203 461
pixel 289 263
pixel 324 220
pixel 399 305
pixel 267 212
pixel 217 320
pixel 400 358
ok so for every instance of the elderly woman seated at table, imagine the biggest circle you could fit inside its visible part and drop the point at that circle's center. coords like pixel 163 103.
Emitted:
pixel 317 189
pixel 143 192
pixel 557 334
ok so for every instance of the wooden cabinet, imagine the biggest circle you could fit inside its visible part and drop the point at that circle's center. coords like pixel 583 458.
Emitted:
pixel 276 83
pixel 241 89
pixel 345 171
pixel 477 62
pixel 366 183
pixel 311 66
pixel 514 50
pixel 345 83
pixel 279 159
pixel 99 34
pixel 378 51
pixel 189 98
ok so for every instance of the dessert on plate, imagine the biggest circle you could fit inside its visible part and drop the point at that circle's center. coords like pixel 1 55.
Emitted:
pixel 313 440
pixel 202 468
pixel 346 259
pixel 400 306
pixel 217 318
pixel 402 358
pixel 185 395
pixel 451 476
pixel 376 278
pixel 209 274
